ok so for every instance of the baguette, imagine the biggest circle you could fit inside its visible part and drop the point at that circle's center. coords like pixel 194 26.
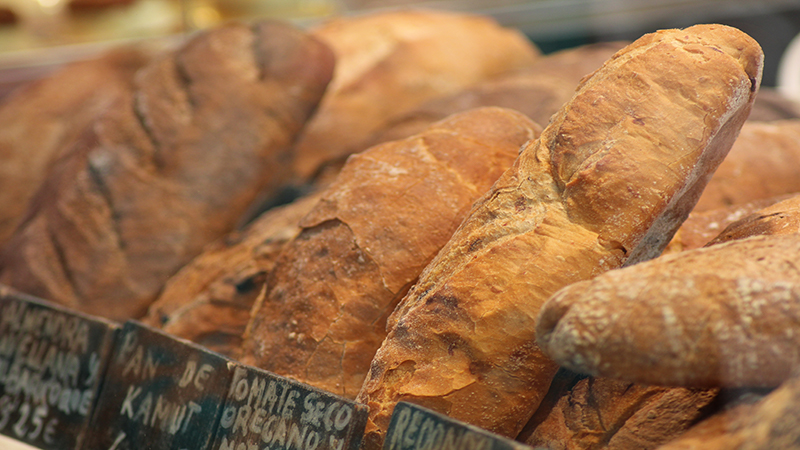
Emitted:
pixel 388 63
pixel 724 315
pixel 593 193
pixel 168 169
pixel 389 211
pixel 44 117
pixel 209 300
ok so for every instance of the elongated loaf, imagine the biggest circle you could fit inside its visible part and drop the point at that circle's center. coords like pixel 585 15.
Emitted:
pixel 168 169
pixel 724 315
pixel 601 413
pixel 374 230
pixel 762 163
pixel 209 300
pixel 46 116
pixel 388 63
pixel 610 179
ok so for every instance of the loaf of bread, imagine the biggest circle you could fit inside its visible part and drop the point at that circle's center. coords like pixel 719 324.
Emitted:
pixel 389 211
pixel 724 315
pixel 763 163
pixel 388 63
pixel 780 218
pixel 607 183
pixel 43 117
pixel 168 169
pixel 537 91
pixel 754 421
pixel 602 413
pixel 701 227
pixel 209 300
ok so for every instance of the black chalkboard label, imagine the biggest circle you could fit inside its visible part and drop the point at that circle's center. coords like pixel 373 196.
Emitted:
pixel 52 362
pixel 416 428
pixel 265 411
pixel 160 392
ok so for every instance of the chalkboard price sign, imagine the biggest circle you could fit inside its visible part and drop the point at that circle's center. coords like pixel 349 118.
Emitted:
pixel 265 411
pixel 160 392
pixel 51 365
pixel 416 428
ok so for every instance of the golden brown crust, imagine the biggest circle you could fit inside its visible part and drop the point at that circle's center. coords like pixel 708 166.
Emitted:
pixel 724 315
pixel 389 63
pixel 209 300
pixel 703 226
pixel 168 169
pixel 376 227
pixel 754 421
pixel 601 413
pixel 608 181
pixel 780 218
pixel 537 91
pixel 761 164
pixel 44 117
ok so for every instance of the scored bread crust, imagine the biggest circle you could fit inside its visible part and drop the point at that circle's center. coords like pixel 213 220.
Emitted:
pixel 609 180
pixel 209 300
pixel 44 117
pixel 169 168
pixel 375 228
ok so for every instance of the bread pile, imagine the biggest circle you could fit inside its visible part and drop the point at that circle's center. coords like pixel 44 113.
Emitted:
pixel 470 225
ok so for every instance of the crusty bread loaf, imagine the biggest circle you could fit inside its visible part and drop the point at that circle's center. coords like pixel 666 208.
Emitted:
pixel 209 300
pixel 780 218
pixel 763 163
pixel 376 227
pixel 387 63
pixel 47 115
pixel 601 413
pixel 610 179
pixel 755 421
pixel 537 91
pixel 724 315
pixel 168 169
pixel 703 226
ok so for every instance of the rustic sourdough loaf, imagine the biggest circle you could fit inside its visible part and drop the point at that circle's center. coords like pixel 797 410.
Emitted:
pixel 168 169
pixel 388 63
pixel 610 179
pixel 724 315
pixel 209 300
pixel 46 116
pixel 389 211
